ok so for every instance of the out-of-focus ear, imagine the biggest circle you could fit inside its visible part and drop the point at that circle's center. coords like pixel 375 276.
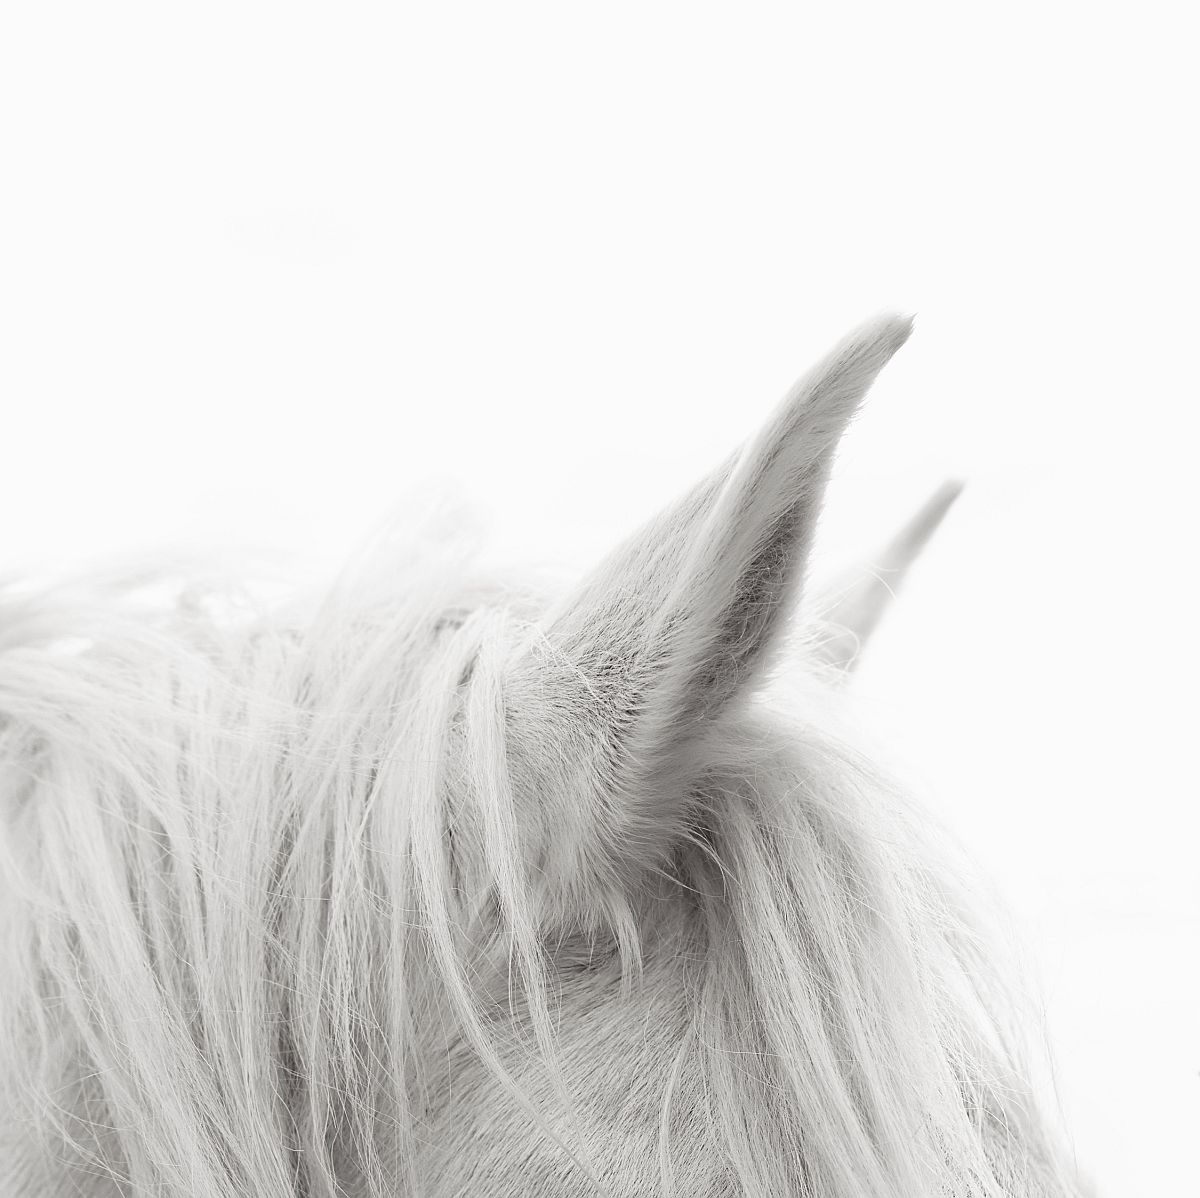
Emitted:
pixel 855 605
pixel 673 629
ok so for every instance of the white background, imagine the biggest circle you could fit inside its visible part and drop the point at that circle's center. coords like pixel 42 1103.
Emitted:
pixel 269 269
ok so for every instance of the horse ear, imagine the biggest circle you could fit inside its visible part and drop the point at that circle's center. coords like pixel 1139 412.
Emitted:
pixel 676 626
pixel 853 607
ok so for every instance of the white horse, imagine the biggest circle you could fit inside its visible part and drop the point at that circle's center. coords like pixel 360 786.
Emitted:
pixel 436 888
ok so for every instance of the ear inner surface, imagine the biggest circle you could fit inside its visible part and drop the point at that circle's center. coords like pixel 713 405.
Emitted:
pixel 679 623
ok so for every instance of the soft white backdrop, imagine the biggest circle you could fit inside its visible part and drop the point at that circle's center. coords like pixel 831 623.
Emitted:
pixel 268 269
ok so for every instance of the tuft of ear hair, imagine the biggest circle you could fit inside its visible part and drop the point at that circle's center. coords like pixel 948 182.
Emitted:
pixel 674 629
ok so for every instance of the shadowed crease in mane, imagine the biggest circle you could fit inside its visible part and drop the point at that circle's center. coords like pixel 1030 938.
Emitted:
pixel 429 886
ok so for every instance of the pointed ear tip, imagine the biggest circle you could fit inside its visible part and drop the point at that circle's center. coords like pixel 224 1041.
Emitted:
pixel 899 326
pixel 881 337
pixel 950 490
pixel 934 509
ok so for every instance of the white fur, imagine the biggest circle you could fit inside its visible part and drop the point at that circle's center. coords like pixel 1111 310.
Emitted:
pixel 855 605
pixel 434 888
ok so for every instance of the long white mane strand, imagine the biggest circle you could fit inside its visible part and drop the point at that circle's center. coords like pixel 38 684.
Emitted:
pixel 289 908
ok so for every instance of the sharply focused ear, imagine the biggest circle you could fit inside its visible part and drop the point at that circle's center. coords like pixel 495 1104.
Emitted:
pixel 679 623
pixel 854 606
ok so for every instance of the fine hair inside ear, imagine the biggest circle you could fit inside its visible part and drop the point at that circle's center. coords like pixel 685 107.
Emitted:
pixel 676 627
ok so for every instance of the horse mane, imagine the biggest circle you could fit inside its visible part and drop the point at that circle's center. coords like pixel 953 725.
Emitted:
pixel 433 884
pixel 234 939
